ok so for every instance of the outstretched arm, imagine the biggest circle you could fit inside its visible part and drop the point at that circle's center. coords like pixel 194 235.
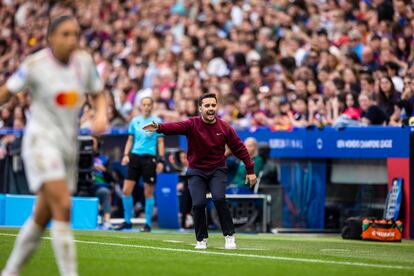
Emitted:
pixel 178 128
pixel 100 120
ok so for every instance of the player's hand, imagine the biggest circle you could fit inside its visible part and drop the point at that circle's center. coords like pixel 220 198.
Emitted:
pixel 151 127
pixel 125 160
pixel 251 178
pixel 99 125
pixel 160 167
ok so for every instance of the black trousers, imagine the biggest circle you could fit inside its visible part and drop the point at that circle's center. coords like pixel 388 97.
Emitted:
pixel 215 181
pixel 186 202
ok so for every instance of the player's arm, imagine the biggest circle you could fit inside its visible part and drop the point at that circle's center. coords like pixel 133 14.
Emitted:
pixel 161 154
pixel 178 128
pixel 239 150
pixel 127 150
pixel 17 82
pixel 5 95
pixel 100 120
pixel 94 87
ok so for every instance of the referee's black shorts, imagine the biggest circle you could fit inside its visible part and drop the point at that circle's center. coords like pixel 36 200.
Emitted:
pixel 142 165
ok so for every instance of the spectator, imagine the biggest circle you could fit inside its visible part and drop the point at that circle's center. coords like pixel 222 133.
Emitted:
pixel 368 59
pixel 371 113
pixel 401 114
pixel 173 52
pixel 240 176
pixel 6 117
pixel 392 71
pixel 281 119
pixel 388 96
pixel 86 116
pixel 368 85
pixel 299 116
pixel 351 114
pixel 114 117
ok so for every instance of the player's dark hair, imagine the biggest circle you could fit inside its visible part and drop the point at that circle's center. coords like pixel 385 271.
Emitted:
pixel 56 22
pixel 205 96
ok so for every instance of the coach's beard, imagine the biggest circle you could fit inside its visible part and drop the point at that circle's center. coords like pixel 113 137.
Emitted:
pixel 210 116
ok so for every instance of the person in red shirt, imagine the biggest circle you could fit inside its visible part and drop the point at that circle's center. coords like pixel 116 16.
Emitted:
pixel 207 137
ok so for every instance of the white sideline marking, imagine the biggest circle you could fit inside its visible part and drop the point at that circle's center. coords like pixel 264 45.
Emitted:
pixel 172 241
pixel 277 258
pixel 335 250
pixel 244 248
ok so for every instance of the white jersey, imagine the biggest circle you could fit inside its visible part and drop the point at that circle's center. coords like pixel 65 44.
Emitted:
pixel 57 92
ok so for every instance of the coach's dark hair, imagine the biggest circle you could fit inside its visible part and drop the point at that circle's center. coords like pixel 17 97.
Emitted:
pixel 205 96
pixel 56 22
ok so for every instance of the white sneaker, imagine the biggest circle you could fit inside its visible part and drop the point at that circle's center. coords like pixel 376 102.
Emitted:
pixel 107 226
pixel 201 244
pixel 230 242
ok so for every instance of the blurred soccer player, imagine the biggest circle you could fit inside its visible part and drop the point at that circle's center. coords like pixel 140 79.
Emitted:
pixel 58 77
pixel 141 156
pixel 207 137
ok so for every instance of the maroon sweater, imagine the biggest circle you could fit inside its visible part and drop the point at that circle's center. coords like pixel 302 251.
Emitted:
pixel 206 143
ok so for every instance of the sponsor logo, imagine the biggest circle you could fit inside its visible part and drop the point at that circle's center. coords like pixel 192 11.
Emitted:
pixel 319 143
pixel 21 73
pixel 286 143
pixel 67 98
pixel 364 144
pixel 166 190
pixel 383 234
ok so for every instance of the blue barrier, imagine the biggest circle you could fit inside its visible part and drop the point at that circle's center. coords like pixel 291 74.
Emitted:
pixel 167 200
pixel 17 208
pixel 2 211
pixel 361 142
pixel 85 212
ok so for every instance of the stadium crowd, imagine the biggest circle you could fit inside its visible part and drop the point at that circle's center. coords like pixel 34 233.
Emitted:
pixel 275 63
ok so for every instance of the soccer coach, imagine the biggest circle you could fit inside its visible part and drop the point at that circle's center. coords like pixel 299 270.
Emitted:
pixel 207 137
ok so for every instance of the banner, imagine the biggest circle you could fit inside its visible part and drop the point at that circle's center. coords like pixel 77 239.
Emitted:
pixel 361 142
pixel 356 142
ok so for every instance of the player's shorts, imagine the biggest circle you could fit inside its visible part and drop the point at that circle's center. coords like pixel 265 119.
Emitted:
pixel 142 165
pixel 44 161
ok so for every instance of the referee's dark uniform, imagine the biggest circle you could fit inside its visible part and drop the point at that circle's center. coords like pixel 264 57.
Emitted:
pixel 207 167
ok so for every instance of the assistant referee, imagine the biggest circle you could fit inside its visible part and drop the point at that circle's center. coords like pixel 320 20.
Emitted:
pixel 207 137
pixel 141 156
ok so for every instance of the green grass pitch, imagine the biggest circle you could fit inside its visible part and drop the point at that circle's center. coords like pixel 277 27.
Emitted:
pixel 172 253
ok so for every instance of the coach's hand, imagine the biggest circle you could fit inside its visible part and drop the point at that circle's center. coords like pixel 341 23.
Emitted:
pixel 125 160
pixel 251 178
pixel 151 127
